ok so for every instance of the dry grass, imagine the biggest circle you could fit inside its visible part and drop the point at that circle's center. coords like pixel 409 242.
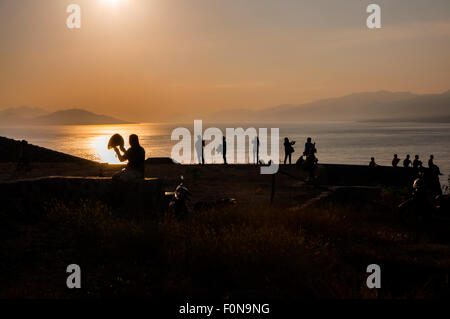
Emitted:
pixel 244 250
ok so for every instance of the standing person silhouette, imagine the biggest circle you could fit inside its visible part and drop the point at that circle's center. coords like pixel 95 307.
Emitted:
pixel 203 151
pixel 255 143
pixel 311 160
pixel 433 176
pixel 309 147
pixel 224 149
pixel 430 161
pixel 135 156
pixel 199 149
pixel 288 150
pixel 257 150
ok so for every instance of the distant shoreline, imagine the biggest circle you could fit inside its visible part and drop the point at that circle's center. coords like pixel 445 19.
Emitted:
pixel 240 123
pixel 26 116
pixel 444 120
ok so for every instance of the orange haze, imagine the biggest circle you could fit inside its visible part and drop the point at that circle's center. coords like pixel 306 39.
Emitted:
pixel 151 60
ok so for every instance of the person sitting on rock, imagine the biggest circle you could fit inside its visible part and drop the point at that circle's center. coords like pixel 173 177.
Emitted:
pixel 417 163
pixel 395 161
pixel 372 163
pixel 407 161
pixel 300 161
pixel 135 156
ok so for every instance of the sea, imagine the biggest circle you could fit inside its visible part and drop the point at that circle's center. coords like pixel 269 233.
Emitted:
pixel 337 143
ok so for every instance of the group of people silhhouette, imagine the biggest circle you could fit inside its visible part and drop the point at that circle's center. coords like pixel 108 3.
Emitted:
pixel 307 160
pixel 309 152
pixel 222 149
pixel 431 174
pixel 135 156
pixel 407 163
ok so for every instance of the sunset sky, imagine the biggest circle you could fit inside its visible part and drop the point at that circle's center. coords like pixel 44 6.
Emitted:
pixel 150 59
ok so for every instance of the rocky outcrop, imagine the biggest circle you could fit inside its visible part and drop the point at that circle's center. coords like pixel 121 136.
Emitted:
pixel 12 150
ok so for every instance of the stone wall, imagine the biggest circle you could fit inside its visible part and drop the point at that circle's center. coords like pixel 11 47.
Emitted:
pixel 359 175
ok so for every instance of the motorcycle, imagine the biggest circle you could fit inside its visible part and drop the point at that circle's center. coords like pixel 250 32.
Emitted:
pixel 423 204
pixel 179 199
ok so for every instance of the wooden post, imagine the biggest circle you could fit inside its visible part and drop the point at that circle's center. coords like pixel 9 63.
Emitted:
pixel 272 195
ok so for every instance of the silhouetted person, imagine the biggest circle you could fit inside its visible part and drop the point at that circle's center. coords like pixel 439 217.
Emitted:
pixel 311 160
pixel 135 156
pixel 395 161
pixel 224 149
pixel 256 150
pixel 407 161
pixel 430 161
pixel 310 148
pixel 434 173
pixel 372 174
pixel 199 149
pixel 288 150
pixel 203 151
pixel 417 163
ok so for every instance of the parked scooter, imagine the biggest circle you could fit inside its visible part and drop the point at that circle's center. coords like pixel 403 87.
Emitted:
pixel 180 198
pixel 423 204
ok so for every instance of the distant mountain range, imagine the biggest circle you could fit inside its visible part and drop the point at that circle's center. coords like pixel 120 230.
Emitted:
pixel 25 115
pixel 367 106
pixel 381 106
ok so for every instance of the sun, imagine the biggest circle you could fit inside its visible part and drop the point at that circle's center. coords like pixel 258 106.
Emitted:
pixel 112 2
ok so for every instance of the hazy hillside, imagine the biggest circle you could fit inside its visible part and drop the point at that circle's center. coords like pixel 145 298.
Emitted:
pixel 20 114
pixel 366 106
pixel 75 117
pixel 432 119
pixel 380 105
pixel 35 116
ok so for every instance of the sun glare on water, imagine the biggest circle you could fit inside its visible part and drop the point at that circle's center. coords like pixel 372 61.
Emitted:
pixel 102 153
pixel 92 140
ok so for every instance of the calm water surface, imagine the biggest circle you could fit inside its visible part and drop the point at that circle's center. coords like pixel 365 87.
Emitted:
pixel 346 143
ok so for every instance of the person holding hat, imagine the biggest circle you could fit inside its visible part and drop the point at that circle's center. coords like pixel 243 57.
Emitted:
pixel 135 156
